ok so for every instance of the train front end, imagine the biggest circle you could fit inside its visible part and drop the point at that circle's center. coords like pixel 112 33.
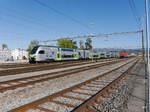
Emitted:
pixel 32 55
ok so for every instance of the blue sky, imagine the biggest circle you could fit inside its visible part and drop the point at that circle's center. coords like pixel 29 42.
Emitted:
pixel 24 20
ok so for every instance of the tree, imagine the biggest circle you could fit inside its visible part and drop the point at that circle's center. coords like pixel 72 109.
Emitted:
pixel 65 43
pixel 4 46
pixel 32 44
pixel 81 43
pixel 88 44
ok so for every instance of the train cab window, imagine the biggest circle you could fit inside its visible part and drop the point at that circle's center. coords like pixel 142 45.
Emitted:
pixel 34 50
pixel 41 52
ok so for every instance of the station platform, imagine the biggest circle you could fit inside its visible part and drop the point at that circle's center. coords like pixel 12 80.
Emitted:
pixel 137 98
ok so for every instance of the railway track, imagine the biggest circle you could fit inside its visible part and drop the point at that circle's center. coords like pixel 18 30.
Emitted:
pixel 23 82
pixel 81 97
pixel 5 66
pixel 36 64
pixel 14 71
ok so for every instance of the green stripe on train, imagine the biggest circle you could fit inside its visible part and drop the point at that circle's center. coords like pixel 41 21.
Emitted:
pixel 58 56
pixel 75 55
pixel 32 55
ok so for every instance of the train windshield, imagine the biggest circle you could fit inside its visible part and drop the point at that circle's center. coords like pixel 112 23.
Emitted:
pixel 34 50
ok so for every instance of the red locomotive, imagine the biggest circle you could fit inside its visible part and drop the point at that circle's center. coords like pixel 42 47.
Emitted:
pixel 123 54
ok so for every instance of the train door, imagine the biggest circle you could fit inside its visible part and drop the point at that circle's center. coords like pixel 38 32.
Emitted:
pixel 58 54
pixel 52 53
pixel 87 54
pixel 41 55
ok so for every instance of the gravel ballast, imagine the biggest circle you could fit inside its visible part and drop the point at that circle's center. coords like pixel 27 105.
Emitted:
pixel 15 98
pixel 29 74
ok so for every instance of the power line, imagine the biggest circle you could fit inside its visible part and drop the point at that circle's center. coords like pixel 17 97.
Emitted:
pixel 97 36
pixel 62 13
pixel 25 19
pixel 134 11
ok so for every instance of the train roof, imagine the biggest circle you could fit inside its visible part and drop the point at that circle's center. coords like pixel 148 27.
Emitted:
pixel 47 46
pixel 53 47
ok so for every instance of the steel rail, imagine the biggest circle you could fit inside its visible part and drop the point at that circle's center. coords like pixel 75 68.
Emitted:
pixel 86 106
pixel 22 82
pixel 39 68
pixel 35 104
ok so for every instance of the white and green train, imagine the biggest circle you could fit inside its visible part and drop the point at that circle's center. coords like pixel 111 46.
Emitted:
pixel 102 55
pixel 52 53
pixel 44 53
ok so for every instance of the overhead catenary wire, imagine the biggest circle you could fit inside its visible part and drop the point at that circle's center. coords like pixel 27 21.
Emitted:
pixel 135 9
pixel 25 19
pixel 137 14
pixel 96 36
pixel 62 13
pixel 134 12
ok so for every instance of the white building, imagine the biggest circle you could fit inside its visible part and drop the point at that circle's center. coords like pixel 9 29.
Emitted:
pixel 5 55
pixel 19 54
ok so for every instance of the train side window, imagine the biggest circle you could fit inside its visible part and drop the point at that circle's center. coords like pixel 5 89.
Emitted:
pixel 53 53
pixel 41 52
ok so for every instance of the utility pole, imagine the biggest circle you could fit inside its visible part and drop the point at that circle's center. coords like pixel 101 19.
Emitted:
pixel 143 49
pixel 147 49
